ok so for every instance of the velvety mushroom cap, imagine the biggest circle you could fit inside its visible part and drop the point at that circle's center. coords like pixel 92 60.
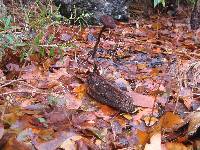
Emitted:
pixel 108 21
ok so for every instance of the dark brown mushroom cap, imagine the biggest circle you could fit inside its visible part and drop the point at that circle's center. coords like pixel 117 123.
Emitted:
pixel 108 21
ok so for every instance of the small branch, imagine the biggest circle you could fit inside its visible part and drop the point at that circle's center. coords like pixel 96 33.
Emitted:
pixel 25 91
pixel 52 45
pixel 12 81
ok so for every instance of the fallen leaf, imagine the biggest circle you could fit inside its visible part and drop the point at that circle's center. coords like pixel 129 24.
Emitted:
pixel 176 146
pixel 127 116
pixel 56 116
pixel 1 131
pixel 116 127
pixel 70 144
pixel 170 120
pixel 56 143
pixel 141 100
pixel 25 135
pixel 142 137
pixel 71 102
pixel 194 123
pixel 150 121
pixel 157 26
pixel 80 91
pixel 141 66
pixel 83 117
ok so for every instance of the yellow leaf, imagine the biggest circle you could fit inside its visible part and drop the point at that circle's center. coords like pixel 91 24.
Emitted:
pixel 156 26
pixel 149 121
pixel 128 116
pixel 142 66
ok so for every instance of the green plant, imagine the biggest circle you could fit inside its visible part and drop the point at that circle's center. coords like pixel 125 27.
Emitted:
pixel 191 1
pixel 43 15
pixel 78 18
pixel 177 2
pixel 156 2
pixel 9 38
pixel 38 18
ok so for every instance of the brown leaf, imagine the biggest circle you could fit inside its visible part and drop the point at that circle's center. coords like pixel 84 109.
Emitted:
pixel 13 144
pixel 194 123
pixel 141 100
pixel 84 117
pixel 54 144
pixel 70 143
pixel 71 101
pixel 1 131
pixel 105 111
pixel 56 117
pixel 176 146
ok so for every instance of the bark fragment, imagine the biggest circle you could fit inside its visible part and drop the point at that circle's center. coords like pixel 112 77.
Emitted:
pixel 195 16
pixel 105 92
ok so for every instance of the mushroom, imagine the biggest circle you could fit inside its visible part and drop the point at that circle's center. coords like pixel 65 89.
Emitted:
pixel 108 22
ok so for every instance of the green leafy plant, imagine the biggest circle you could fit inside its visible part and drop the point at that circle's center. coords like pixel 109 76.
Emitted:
pixel 79 18
pixel 45 15
pixel 37 19
pixel 9 38
pixel 156 2
pixel 191 1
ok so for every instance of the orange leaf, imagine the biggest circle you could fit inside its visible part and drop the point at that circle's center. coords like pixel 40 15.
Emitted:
pixel 80 91
pixel 175 146
pixel 157 26
pixel 143 137
pixel 141 66
pixel 170 120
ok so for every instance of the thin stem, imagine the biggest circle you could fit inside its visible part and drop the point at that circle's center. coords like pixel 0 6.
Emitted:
pixel 97 43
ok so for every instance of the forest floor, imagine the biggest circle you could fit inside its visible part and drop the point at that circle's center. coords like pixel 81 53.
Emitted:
pixel 43 91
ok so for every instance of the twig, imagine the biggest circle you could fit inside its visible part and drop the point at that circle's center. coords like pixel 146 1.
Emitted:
pixel 25 91
pixel 3 111
pixel 9 30
pixel 12 81
pixel 154 104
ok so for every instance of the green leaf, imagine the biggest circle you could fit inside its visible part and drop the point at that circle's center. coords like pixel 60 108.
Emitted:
pixel 23 56
pixel 163 2
pixel 50 39
pixel 41 120
pixel 52 52
pixel 1 37
pixel 10 38
pixel 38 38
pixel 8 22
pixel 20 44
pixel 42 51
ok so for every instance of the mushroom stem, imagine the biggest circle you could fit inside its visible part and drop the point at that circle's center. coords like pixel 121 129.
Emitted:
pixel 98 40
